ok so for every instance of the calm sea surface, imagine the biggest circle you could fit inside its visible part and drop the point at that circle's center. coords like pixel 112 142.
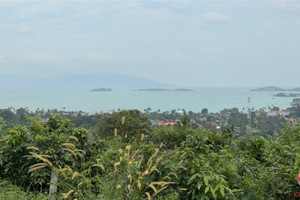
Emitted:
pixel 215 99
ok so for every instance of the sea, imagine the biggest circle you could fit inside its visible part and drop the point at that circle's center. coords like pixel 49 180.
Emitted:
pixel 82 99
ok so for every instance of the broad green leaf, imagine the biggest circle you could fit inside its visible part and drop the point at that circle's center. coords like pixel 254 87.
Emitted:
pixel 206 189
pixel 205 180
pixel 222 191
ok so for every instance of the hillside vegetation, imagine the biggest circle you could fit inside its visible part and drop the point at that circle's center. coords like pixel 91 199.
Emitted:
pixel 125 157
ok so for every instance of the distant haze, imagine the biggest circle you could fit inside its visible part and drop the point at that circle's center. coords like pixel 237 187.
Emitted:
pixel 174 42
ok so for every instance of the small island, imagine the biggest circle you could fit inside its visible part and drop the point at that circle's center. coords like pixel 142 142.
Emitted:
pixel 295 89
pixel 285 94
pixel 102 90
pixel 161 90
pixel 183 90
pixel 269 88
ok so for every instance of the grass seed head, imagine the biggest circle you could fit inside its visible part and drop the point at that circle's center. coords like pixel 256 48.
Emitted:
pixel 33 148
pixel 74 138
pixel 116 132
pixel 123 120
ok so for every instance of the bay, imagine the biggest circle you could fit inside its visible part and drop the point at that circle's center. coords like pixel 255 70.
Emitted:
pixel 82 99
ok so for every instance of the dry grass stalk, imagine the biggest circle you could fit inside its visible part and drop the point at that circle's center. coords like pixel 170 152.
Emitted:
pixel 38 164
pixel 66 195
pixel 75 174
pixel 68 145
pixel 123 120
pixel 41 157
pixel 33 148
pixel 148 195
pixel 80 150
pixel 70 150
pixel 99 165
pixel 35 168
pixel 74 138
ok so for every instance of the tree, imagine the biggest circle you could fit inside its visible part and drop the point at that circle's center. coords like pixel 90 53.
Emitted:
pixel 204 111
pixel 127 124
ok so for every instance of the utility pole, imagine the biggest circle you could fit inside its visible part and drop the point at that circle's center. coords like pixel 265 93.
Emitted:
pixel 248 127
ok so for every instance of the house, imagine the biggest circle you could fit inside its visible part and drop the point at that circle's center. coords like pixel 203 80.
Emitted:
pixel 160 123
pixel 203 119
pixel 169 123
pixel 273 113
pixel 200 125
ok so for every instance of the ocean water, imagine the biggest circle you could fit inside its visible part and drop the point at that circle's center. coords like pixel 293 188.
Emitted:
pixel 70 99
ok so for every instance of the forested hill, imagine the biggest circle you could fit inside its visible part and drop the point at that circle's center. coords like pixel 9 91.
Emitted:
pixel 110 80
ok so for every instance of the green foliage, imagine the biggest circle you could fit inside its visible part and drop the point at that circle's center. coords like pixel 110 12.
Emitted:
pixel 134 125
pixel 133 160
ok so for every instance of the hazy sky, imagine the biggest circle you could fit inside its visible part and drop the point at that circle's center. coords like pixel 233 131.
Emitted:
pixel 182 42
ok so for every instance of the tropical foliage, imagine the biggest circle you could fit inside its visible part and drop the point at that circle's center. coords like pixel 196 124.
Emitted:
pixel 125 157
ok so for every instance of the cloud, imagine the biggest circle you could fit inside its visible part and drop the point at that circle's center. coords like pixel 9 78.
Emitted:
pixel 1 57
pixel 285 5
pixel 156 15
pixel 98 57
pixel 215 18
pixel 176 55
pixel 41 57
pixel 22 29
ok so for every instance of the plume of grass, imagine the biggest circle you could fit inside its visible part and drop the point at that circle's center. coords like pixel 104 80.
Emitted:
pixel 74 138
pixel 75 174
pixel 153 187
pixel 174 174
pixel 68 145
pixel 153 168
pixel 63 173
pixel 33 148
pixel 116 132
pixel 41 157
pixel 167 177
pixel 38 164
pixel 161 189
pixel 99 165
pixel 148 195
pixel 115 166
pixel 80 150
pixel 182 155
pixel 139 184
pixel 159 158
pixel 123 120
pixel 36 168
pixel 69 169
pixel 70 150
pixel 66 195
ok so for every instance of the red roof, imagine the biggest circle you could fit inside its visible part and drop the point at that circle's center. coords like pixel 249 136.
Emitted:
pixel 169 124
pixel 213 123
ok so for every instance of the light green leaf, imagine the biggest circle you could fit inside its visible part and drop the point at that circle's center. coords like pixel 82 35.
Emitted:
pixel 206 189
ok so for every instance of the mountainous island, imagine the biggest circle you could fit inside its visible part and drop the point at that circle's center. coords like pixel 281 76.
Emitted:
pixel 268 88
pixel 274 88
pixel 161 89
pixel 285 94
pixel 105 80
pixel 102 90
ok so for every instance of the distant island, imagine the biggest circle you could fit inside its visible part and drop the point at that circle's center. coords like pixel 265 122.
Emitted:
pixel 274 88
pixel 285 94
pixel 102 90
pixel 161 89
pixel 295 89
pixel 269 88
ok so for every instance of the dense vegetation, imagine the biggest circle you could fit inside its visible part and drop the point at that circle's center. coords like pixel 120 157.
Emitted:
pixel 126 157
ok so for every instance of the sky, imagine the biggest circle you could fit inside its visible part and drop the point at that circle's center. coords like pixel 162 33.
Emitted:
pixel 182 42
